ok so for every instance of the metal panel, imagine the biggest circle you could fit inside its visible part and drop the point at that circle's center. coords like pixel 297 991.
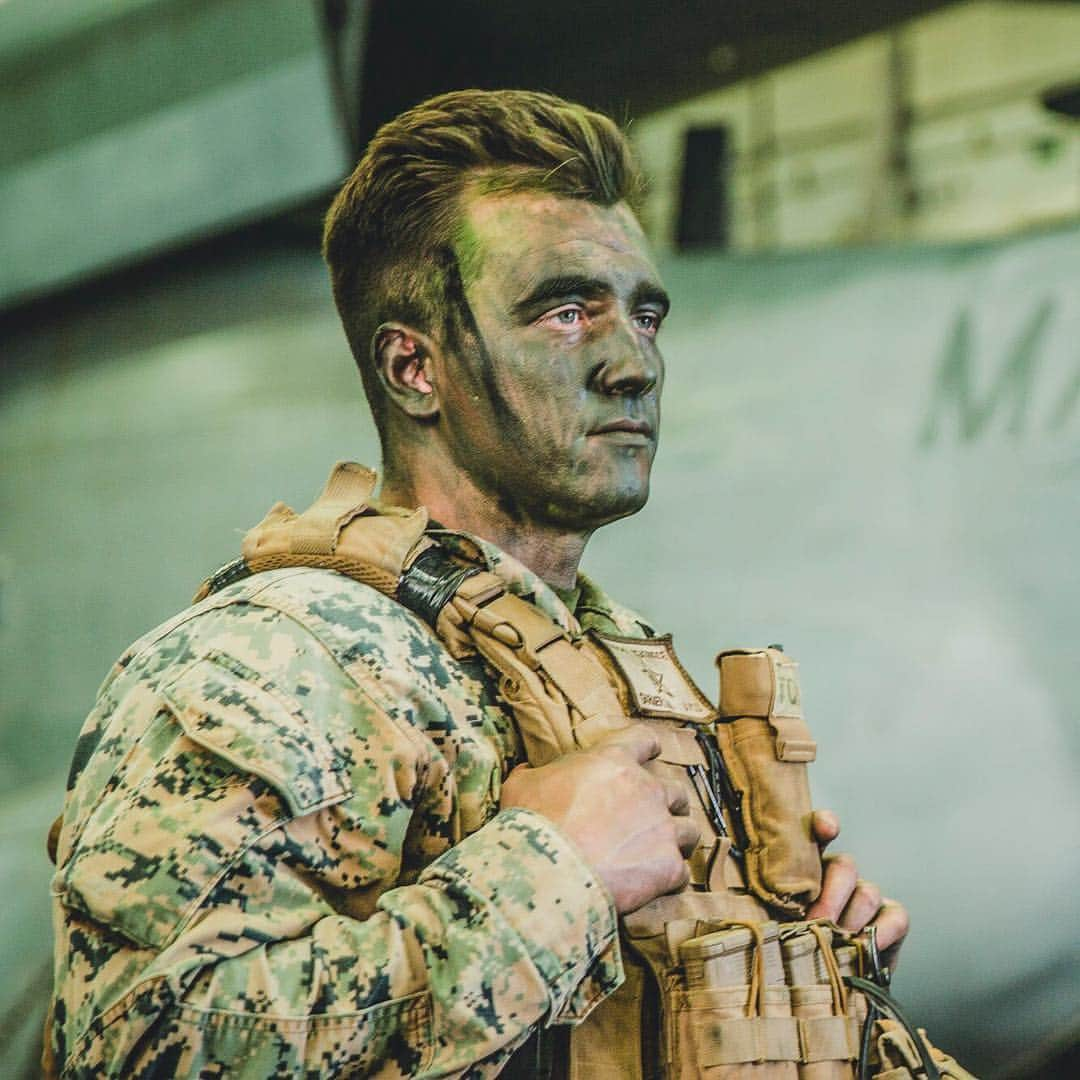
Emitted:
pixel 167 124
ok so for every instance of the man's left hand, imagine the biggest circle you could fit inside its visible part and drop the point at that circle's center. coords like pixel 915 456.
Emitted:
pixel 852 902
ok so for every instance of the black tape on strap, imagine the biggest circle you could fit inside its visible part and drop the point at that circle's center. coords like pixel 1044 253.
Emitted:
pixel 427 586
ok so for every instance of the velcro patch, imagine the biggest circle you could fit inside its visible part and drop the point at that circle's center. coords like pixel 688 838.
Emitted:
pixel 658 684
pixel 787 698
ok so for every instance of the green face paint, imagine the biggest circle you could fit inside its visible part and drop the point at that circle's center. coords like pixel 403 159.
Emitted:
pixel 553 409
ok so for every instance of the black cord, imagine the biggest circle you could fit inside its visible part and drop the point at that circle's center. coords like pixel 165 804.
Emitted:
pixel 887 1004
pixel 867 1034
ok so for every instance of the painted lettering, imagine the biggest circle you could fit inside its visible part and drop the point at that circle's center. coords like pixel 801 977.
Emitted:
pixel 1011 389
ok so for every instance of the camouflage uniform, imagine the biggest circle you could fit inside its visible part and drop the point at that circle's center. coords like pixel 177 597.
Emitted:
pixel 282 853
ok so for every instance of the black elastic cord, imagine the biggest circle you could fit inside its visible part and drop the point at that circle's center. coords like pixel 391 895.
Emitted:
pixel 886 1003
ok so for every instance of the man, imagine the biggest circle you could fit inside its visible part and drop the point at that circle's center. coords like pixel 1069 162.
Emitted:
pixel 300 837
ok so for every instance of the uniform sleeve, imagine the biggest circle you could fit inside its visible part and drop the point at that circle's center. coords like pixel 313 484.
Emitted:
pixel 227 892
pixel 496 936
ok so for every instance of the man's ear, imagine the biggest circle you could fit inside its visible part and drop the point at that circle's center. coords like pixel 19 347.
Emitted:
pixel 406 361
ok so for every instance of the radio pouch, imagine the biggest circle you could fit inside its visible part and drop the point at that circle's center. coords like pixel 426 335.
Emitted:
pixel 766 746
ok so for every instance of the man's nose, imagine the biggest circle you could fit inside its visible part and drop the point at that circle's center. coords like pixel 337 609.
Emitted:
pixel 628 365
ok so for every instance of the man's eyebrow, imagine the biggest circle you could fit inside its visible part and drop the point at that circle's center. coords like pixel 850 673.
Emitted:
pixel 562 287
pixel 648 292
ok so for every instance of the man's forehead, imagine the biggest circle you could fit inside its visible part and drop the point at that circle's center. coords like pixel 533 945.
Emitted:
pixel 527 234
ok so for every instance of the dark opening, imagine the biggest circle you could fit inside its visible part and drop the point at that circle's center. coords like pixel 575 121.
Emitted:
pixel 704 210
pixel 1063 99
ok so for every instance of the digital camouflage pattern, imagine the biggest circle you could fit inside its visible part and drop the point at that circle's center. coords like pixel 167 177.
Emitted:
pixel 282 853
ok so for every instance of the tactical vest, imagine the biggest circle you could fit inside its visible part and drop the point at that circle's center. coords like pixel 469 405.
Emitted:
pixel 724 979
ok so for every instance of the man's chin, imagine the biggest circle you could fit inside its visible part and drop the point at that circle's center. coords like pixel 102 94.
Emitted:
pixel 605 507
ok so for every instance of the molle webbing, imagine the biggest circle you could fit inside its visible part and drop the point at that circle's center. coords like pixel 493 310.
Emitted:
pixel 777 978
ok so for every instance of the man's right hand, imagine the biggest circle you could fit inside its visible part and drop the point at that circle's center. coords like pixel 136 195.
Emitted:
pixel 631 827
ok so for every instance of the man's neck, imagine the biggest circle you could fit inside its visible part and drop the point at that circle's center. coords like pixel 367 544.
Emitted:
pixel 457 503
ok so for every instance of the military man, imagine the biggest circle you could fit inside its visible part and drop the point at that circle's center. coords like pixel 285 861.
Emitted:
pixel 300 838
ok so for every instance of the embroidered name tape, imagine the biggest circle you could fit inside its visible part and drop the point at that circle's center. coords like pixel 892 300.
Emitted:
pixel 659 685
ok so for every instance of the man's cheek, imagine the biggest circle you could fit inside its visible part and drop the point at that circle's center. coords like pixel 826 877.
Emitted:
pixel 542 407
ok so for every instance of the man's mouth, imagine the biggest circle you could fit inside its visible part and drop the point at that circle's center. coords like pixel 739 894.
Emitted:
pixel 630 430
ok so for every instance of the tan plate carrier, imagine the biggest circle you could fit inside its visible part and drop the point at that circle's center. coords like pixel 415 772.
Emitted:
pixel 715 986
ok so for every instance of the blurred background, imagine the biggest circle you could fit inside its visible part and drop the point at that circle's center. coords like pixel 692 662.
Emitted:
pixel 869 218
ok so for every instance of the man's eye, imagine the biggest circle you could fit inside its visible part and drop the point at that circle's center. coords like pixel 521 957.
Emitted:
pixel 568 316
pixel 649 321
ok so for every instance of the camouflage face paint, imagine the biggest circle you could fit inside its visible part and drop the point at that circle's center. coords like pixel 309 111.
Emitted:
pixel 554 407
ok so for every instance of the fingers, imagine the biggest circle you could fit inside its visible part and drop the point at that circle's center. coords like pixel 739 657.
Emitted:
pixel 636 739
pixel 687 835
pixel 863 904
pixel 642 745
pixel 825 827
pixel 838 881
pixel 854 903
pixel 893 924
pixel 670 861
pixel 683 878
pixel 678 799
